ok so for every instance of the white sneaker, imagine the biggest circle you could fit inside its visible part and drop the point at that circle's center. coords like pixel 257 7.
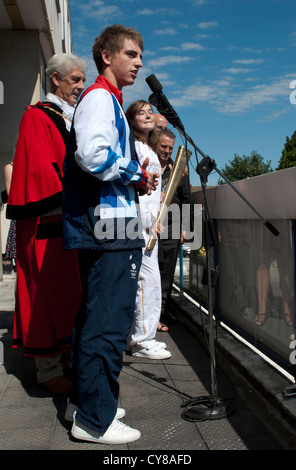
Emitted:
pixel 153 351
pixel 162 345
pixel 71 409
pixel 117 433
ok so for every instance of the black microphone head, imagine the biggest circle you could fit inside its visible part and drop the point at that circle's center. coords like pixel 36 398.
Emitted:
pixel 154 100
pixel 154 84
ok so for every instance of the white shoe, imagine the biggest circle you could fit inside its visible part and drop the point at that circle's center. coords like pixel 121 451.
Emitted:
pixel 153 351
pixel 153 342
pixel 117 433
pixel 71 409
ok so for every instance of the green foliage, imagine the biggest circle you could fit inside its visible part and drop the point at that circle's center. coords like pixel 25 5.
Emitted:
pixel 288 158
pixel 245 167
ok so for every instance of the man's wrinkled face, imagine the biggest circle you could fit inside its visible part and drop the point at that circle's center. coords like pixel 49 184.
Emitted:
pixel 71 86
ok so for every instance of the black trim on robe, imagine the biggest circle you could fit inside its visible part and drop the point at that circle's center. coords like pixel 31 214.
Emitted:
pixel 35 209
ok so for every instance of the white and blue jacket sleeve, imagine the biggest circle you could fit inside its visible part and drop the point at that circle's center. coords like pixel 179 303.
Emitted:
pixel 102 136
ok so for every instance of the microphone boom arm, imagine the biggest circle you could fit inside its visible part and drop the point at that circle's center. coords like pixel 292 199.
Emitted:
pixel 204 168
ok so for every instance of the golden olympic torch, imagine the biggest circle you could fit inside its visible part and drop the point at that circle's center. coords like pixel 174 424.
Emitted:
pixel 179 166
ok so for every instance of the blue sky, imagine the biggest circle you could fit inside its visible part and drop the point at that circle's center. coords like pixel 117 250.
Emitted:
pixel 225 66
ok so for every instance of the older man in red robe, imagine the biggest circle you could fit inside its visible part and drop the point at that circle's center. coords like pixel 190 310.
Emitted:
pixel 48 283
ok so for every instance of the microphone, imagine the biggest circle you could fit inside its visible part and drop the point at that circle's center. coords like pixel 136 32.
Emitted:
pixel 159 100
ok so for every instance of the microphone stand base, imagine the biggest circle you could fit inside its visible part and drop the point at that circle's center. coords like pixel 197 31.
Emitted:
pixel 207 408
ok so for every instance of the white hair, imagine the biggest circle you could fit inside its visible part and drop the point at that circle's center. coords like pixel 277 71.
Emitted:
pixel 63 64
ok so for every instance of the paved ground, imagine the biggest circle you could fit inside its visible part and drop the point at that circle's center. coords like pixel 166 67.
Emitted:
pixel 152 393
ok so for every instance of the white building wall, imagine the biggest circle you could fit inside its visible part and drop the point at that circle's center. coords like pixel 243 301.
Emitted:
pixel 58 15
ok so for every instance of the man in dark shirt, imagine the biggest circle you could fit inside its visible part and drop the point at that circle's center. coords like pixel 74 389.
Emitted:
pixel 168 248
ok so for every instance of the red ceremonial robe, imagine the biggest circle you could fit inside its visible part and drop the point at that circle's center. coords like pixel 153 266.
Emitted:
pixel 48 282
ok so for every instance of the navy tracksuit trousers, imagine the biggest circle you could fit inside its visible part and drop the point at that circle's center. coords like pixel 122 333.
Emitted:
pixel 109 286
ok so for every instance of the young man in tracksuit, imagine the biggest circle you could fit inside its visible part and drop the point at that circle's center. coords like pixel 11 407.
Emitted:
pixel 101 178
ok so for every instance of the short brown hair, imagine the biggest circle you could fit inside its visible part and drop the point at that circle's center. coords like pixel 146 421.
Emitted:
pixel 166 132
pixel 111 39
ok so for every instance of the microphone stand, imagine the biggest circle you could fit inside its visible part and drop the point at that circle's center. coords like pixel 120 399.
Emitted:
pixel 202 407
pixel 211 407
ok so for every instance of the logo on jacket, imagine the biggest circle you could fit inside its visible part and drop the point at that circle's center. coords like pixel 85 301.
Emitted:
pixel 133 271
